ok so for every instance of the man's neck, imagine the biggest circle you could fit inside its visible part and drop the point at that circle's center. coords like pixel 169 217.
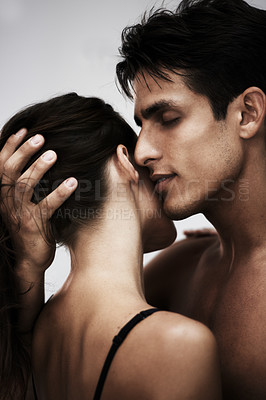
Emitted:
pixel 240 219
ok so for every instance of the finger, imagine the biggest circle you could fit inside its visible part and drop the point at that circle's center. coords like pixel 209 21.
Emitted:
pixel 10 146
pixel 200 232
pixel 13 166
pixel 55 199
pixel 27 182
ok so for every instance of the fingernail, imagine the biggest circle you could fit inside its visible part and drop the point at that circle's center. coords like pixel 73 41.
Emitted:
pixel 21 132
pixel 70 182
pixel 48 156
pixel 36 139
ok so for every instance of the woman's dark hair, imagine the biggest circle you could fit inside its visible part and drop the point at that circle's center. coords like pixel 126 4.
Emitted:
pixel 14 356
pixel 84 133
pixel 218 46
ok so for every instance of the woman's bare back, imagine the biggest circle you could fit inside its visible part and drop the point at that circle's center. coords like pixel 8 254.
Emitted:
pixel 160 358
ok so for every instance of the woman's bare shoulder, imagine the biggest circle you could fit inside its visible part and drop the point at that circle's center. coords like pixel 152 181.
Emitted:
pixel 48 322
pixel 176 358
pixel 177 331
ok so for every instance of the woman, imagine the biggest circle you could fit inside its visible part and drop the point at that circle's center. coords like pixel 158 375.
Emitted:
pixel 111 219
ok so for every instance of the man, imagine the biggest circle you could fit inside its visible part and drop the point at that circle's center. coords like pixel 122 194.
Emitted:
pixel 198 77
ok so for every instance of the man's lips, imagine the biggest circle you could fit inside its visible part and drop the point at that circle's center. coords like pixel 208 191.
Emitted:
pixel 161 180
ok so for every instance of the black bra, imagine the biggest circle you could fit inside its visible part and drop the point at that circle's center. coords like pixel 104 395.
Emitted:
pixel 117 341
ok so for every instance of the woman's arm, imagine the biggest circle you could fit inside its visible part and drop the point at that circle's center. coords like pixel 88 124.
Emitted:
pixel 28 223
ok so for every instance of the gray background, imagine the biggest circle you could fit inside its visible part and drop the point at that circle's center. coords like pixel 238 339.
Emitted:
pixel 50 47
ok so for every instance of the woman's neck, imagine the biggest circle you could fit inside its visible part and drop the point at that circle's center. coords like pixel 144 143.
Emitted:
pixel 107 258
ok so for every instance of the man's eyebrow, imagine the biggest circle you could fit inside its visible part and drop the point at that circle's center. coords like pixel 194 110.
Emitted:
pixel 137 120
pixel 153 109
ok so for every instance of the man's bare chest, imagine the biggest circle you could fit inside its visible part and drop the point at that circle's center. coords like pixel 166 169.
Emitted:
pixel 218 296
pixel 231 301
pixel 233 307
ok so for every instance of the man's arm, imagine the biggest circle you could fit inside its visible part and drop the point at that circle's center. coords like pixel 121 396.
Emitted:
pixel 167 276
pixel 27 222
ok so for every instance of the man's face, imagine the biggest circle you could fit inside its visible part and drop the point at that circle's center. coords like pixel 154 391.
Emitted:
pixel 190 155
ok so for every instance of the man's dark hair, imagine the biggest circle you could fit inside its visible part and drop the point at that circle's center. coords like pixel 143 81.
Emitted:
pixel 218 46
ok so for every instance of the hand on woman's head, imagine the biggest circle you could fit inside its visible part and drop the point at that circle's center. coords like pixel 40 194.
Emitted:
pixel 27 222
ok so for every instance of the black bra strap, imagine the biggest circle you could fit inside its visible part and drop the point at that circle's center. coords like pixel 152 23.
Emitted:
pixel 117 341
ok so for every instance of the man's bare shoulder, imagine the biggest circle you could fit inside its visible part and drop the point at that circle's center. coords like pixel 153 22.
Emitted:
pixel 188 250
pixel 175 265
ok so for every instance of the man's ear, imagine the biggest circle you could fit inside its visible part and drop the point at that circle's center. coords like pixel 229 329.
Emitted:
pixel 123 159
pixel 253 112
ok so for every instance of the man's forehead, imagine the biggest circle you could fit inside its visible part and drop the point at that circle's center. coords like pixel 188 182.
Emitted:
pixel 145 80
pixel 148 89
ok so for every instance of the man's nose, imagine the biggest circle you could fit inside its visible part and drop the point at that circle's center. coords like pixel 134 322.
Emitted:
pixel 146 151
